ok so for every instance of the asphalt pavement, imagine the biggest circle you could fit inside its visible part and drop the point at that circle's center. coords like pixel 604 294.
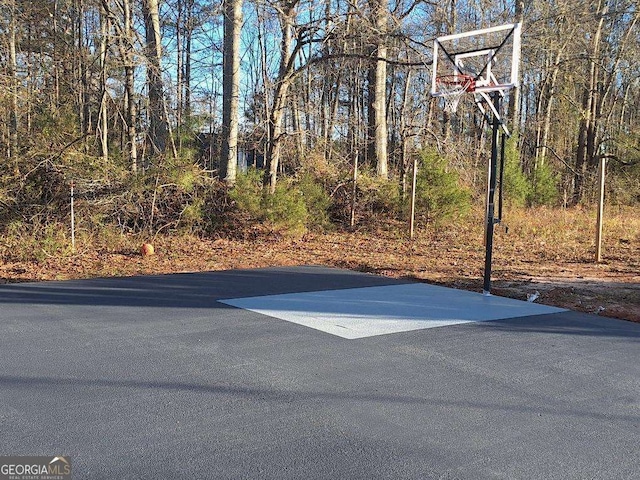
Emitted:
pixel 155 377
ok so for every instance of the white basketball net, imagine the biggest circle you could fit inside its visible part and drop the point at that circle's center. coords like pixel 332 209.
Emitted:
pixel 452 88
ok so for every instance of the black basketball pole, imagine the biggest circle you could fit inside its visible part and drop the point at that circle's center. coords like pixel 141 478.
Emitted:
pixel 493 166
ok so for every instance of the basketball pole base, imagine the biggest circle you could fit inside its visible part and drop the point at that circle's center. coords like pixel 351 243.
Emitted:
pixel 490 219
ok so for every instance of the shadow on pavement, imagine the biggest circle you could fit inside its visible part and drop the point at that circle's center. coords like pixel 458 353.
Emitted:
pixel 288 396
pixel 188 290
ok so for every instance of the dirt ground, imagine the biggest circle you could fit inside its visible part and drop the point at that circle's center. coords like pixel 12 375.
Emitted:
pixel 545 253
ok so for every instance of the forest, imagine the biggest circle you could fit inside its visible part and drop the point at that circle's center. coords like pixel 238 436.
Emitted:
pixel 189 114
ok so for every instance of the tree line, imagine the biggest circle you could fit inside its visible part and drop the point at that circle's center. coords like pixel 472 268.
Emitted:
pixel 92 85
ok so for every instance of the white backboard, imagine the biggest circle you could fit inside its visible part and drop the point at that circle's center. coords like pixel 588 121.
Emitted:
pixel 490 55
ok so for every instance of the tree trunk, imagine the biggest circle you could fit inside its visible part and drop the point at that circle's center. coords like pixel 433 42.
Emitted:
pixel 546 106
pixel 103 120
pixel 83 82
pixel 405 131
pixel 129 67
pixel 179 70
pixel 264 74
pixel 78 67
pixel 55 98
pixel 287 16
pixel 158 128
pixel 187 59
pixel 585 152
pixel 230 87
pixel 378 89
pixel 297 124
pixel 13 74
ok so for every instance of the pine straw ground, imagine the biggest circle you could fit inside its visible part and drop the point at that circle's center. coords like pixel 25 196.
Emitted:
pixel 550 251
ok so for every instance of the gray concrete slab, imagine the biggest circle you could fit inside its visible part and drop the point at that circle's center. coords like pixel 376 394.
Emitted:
pixel 152 377
pixel 365 312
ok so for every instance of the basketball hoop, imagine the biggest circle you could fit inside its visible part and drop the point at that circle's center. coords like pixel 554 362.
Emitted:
pixel 452 87
pixel 490 60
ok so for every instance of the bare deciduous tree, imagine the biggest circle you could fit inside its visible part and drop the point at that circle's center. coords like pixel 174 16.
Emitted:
pixel 230 89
